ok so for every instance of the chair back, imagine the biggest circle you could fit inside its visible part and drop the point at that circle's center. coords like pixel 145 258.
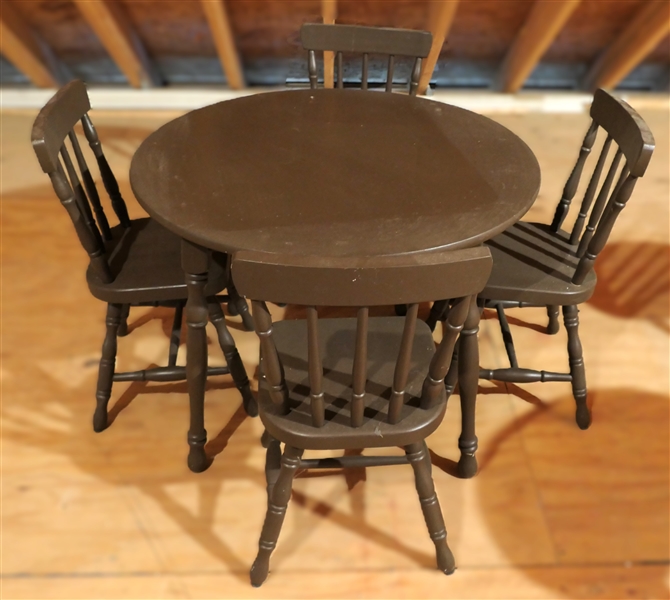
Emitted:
pixel 366 40
pixel 317 281
pixel 627 149
pixel 53 127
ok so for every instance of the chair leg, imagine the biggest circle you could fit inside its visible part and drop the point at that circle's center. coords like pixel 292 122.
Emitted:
pixel 553 325
pixel 238 306
pixel 233 359
pixel 468 380
pixel 418 457
pixel 107 364
pixel 272 464
pixel 451 379
pixel 123 327
pixel 436 313
pixel 274 518
pixel 577 371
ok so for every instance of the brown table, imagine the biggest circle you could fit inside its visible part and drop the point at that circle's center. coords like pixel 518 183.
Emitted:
pixel 335 173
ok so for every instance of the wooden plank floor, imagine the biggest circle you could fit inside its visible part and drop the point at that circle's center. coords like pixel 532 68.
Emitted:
pixel 555 512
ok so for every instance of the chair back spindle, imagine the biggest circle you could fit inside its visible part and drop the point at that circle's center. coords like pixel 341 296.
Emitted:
pixel 272 369
pixel 360 367
pixel 72 180
pixel 634 142
pixel 89 186
pixel 80 196
pixel 96 254
pixel 317 281
pixel 599 205
pixel 433 385
pixel 108 179
pixel 614 207
pixel 573 181
pixel 365 40
pixel 590 193
pixel 315 369
pixel 402 365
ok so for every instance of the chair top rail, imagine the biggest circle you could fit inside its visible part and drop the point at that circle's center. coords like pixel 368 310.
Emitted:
pixel 626 127
pixel 366 40
pixel 56 120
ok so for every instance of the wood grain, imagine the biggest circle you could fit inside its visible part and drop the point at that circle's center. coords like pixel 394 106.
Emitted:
pixel 541 27
pixel 22 46
pixel 650 25
pixel 219 24
pixel 111 25
pixel 554 512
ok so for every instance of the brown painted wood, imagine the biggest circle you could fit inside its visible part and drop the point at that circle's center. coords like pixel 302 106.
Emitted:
pixel 537 265
pixel 399 402
pixel 365 40
pixel 650 25
pixel 110 23
pixel 137 263
pixel 441 18
pixel 219 24
pixel 543 24
pixel 26 50
pixel 246 187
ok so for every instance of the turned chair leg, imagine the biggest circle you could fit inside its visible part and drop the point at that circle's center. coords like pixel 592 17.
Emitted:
pixel 451 379
pixel 272 463
pixel 107 364
pixel 437 313
pixel 553 325
pixel 233 359
pixel 577 371
pixel 123 327
pixel 418 457
pixel 238 306
pixel 274 518
pixel 468 381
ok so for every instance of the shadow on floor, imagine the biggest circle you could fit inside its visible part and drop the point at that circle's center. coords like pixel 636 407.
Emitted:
pixel 634 282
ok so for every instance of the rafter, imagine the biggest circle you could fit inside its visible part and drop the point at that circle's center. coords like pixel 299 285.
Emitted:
pixel 329 14
pixel 219 25
pixel 543 24
pixel 116 34
pixel 23 47
pixel 643 34
pixel 441 17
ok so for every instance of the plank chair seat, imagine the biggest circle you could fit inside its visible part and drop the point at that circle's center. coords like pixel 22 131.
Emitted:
pixel 546 266
pixel 534 264
pixel 134 263
pixel 145 264
pixel 358 383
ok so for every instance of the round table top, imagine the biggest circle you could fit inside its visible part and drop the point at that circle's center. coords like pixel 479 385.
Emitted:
pixel 334 173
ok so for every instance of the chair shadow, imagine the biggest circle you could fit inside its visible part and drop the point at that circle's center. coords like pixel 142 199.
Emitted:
pixel 634 282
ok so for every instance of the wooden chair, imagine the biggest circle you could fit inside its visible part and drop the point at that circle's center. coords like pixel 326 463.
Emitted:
pixel 134 263
pixel 543 265
pixel 365 40
pixel 353 383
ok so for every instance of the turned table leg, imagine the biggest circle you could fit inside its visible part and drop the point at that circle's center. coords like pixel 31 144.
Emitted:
pixel 195 265
pixel 468 380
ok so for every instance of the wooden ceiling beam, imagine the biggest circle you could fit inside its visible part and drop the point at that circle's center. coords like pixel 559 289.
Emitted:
pixel 116 34
pixel 23 47
pixel 329 14
pixel 543 24
pixel 441 17
pixel 219 25
pixel 650 25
